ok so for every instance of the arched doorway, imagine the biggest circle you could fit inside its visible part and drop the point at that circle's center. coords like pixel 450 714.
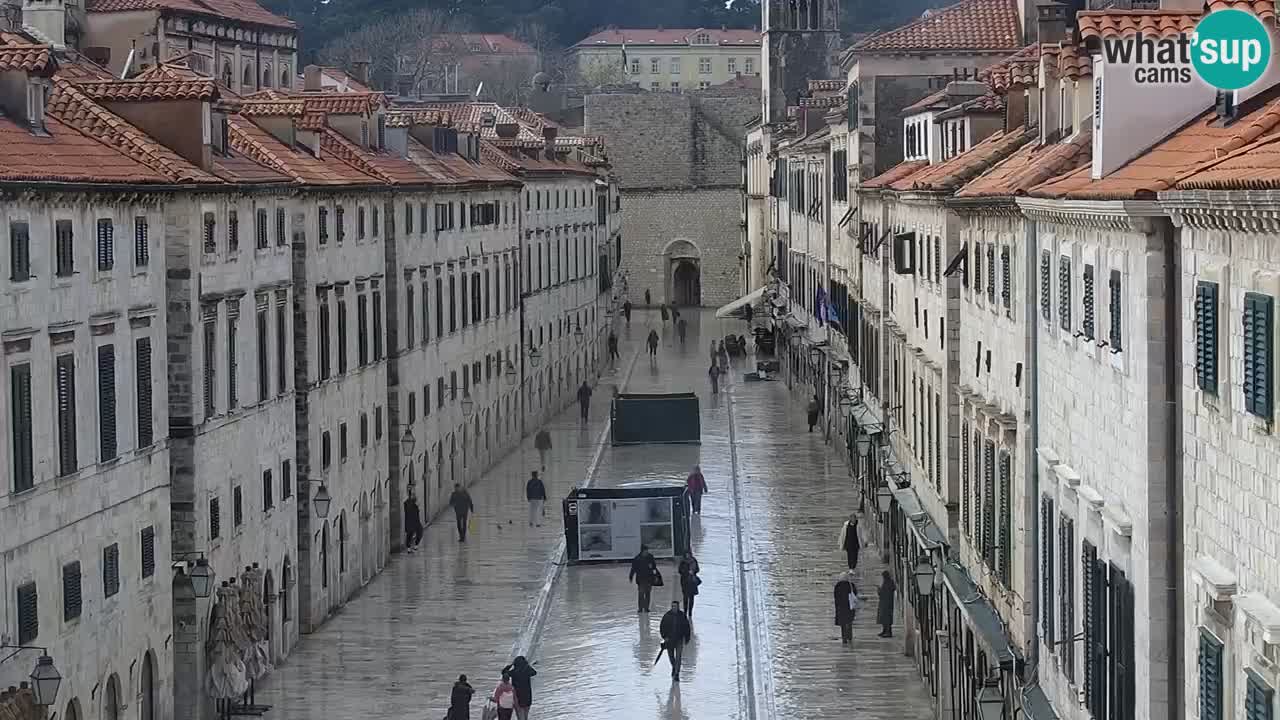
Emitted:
pixel 73 710
pixel 324 555
pixel 111 699
pixel 684 273
pixel 147 687
pixel 269 602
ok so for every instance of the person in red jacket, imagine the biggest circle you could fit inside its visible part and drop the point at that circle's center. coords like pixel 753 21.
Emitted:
pixel 696 485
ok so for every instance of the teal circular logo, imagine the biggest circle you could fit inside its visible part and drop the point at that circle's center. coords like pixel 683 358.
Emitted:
pixel 1230 49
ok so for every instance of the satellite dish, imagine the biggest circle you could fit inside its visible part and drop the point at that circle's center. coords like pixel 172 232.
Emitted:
pixel 479 88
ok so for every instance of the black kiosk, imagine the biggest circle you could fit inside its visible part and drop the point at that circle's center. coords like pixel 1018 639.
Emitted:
pixel 644 418
pixel 607 524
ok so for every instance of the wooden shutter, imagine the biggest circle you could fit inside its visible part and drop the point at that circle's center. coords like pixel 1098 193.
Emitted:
pixel 325 341
pixel 237 506
pixel 1006 270
pixel 106 402
pixel 1258 354
pixel 965 484
pixel 1088 319
pixel 1045 288
pixel 20 419
pixel 1209 664
pixel 1006 518
pixel 1120 655
pixel 1206 317
pixel 268 494
pixel 233 231
pixel 1047 597
pixel 111 570
pixel 1259 698
pixel 989 505
pixel 148 542
pixel 72 601
pixel 362 329
pixel 282 341
pixel 19 251
pixel 28 614
pixel 264 369
pixel 377 326
pixel 210 361
pixel 65 377
pixel 991 273
pixel 410 325
pixel 215 518
pixel 340 223
pixel 141 244
pixel 281 238
pixel 1089 556
pixel 1064 293
pixel 286 480
pixel 64 248
pixel 260 229
pixel 1067 621
pixel 210 237
pixel 322 221
pixel 233 322
pixel 142 380
pixel 1116 313
pixel 106 244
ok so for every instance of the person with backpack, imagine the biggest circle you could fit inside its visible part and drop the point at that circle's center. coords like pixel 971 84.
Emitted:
pixel 504 697
pixel 522 672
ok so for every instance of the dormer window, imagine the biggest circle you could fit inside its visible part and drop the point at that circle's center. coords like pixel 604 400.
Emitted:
pixel 702 38
pixel 37 97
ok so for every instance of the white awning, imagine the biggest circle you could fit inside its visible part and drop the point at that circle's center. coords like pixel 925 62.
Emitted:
pixel 749 299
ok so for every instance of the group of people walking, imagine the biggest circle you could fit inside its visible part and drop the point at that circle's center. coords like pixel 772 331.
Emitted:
pixel 512 697
pixel 462 504
pixel 676 627
pixel 847 599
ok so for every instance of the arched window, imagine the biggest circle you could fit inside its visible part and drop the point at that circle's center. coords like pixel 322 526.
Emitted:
pixel 226 73
pixel 286 580
pixel 284 78
pixel 111 699
pixel 248 76
pixel 266 75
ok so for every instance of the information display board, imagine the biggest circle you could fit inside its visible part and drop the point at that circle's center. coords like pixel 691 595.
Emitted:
pixel 612 524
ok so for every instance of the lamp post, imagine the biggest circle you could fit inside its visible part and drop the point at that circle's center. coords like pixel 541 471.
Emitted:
pixel 468 405
pixel 322 500
pixel 924 576
pixel 200 576
pixel 991 700
pixel 407 443
pixel 884 502
pixel 511 373
pixel 45 678
pixel 535 357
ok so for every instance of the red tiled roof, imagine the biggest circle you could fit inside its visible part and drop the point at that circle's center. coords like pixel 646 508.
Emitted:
pixel 1264 9
pixel 157 90
pixel 453 169
pixel 1250 160
pixel 471 117
pixel 1195 147
pixel 1018 70
pixel 68 104
pixel 669 37
pixel 344 79
pixel 487 43
pixel 245 11
pixel 342 103
pixel 938 99
pixel 898 172
pixel 76 67
pixel 382 165
pixel 263 148
pixel 1031 165
pixel 65 155
pixel 270 108
pixel 519 161
pixel 405 118
pixel 19 53
pixel 983 104
pixel 1151 23
pixel 1068 61
pixel 957 171
pixel 238 168
pixel 967 25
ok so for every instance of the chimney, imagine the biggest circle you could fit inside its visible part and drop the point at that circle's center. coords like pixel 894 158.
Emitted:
pixel 360 68
pixel 311 78
pixel 507 131
pixel 48 18
pixel 1051 23
pixel 1015 110
pixel 549 141
pixel 961 90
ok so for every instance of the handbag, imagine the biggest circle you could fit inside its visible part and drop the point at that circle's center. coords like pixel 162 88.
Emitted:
pixel 490 711
pixel 657 578
pixel 471 524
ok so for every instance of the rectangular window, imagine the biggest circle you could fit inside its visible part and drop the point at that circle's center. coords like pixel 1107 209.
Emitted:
pixel 281 238
pixel 989 503
pixel 424 218
pixel 342 442
pixel 364 430
pixel 65 378
pixel 28 614
pixel 286 480
pixel 141 246
pixel 1120 648
pixel 1259 698
pixel 147 541
pixel 215 518
pixel 1088 311
pixel 1047 577
pixel 377 423
pixel 749 65
pixel 362 329
pixel 408 219
pixel 1209 665
pixel 111 569
pixel 977 267
pixel 1206 317
pixel 1006 518
pixel 409 307
pixel 1006 273
pixel 340 223
pixel 1064 293
pixel 453 305
pixel 1095 631
pixel 1116 313
pixel 1259 340
pixel 20 427
pixel 326 450
pixel 342 330
pixel 106 245
pixel 1067 595
pixel 233 231
pixel 19 251
pixel 322 224
pixel 360 223
pixel 426 313
pixel 282 340
pixel 268 492
pixel 440 392
pixel 64 249
pixel 704 66
pixel 237 506
pixel 72 599
pixel 1045 289
pixel 260 228
pixel 233 323
pixel 325 339
pixel 210 361
pixel 264 353
pixel 210 234
pixel 106 403
pixel 967 513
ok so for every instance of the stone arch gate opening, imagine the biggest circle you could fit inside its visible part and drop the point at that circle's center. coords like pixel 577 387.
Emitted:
pixel 683 265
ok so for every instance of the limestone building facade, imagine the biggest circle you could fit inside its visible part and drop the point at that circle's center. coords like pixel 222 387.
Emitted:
pixel 667 60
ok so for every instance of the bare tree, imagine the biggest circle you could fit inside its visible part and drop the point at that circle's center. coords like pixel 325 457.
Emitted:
pixel 600 71
pixel 506 80
pixel 405 52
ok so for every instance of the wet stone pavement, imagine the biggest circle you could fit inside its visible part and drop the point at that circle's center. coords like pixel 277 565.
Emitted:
pixel 394 650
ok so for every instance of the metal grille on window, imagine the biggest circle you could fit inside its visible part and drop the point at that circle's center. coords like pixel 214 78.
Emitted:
pixel 1088 312
pixel 111 570
pixel 1206 317
pixel 215 518
pixel 1115 313
pixel 1067 598
pixel 989 503
pixel 141 246
pixel 28 614
pixel 1047 597
pixel 106 245
pixel 1006 518
pixel 1259 697
pixel 20 417
pixel 72 599
pixel 1064 293
pixel 1045 290
pixel 65 377
pixel 1209 664
pixel 148 542
pixel 1258 354
pixel 106 402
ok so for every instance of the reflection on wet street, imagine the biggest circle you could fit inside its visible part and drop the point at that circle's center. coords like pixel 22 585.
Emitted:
pixel 393 651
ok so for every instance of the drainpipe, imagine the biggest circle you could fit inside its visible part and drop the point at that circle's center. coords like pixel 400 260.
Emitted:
pixel 1031 459
pixel 1174 461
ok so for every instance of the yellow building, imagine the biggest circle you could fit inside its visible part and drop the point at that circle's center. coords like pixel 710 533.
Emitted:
pixel 670 60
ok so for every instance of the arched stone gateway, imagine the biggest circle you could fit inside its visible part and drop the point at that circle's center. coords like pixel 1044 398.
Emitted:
pixel 683 261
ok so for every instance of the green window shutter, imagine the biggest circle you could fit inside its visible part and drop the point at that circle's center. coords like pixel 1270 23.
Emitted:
pixel 1006 519
pixel 1088 319
pixel 28 614
pixel 965 490
pixel 1258 354
pixel 20 427
pixel 1067 621
pixel 1209 665
pixel 142 380
pixel 1120 651
pixel 111 570
pixel 107 403
pixel 1259 698
pixel 1046 571
pixel 148 542
pixel 1092 629
pixel 1206 317
pixel 991 273
pixel 1006 270
pixel 72 598
pixel 1045 288
pixel 989 504
pixel 65 379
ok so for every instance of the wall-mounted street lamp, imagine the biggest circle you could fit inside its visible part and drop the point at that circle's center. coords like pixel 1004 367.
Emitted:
pixel 200 575
pixel 924 576
pixel 468 405
pixel 535 357
pixel 45 678
pixel 991 700
pixel 884 497
pixel 511 373
pixel 322 500
pixel 407 442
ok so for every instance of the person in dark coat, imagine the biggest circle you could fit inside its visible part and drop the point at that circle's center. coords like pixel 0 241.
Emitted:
pixel 584 399
pixel 682 329
pixel 662 310
pixel 676 631
pixel 847 603
pixel 542 441
pixel 689 582
pixel 626 311
pixel 696 486
pixel 714 373
pixel 461 503
pixel 750 313
pixel 460 699
pixel 884 613
pixel 852 544
pixel 653 344
pixel 522 672
pixel 648 299
pixel 412 523
pixel 811 413
pixel 536 493
pixel 644 568
pixel 612 343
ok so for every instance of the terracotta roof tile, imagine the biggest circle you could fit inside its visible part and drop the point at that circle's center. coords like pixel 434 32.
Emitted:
pixel 344 79
pixel 932 100
pixel 1249 160
pixel 472 117
pixel 156 90
pixel 1120 23
pixel 68 104
pixel 342 103
pixel 243 169
pixel 957 171
pixel 65 155
pixel 76 67
pixel 382 165
pixel 1018 70
pixel 405 118
pixel 983 104
pixel 313 121
pixel 245 11
pixel 1197 147
pixel 265 149
pixel 1068 61
pixel 1031 165
pixel 826 86
pixel 272 108
pixel 967 25
pixel 898 172
pixel 520 161
pixel 21 54
pixel 673 36
pixel 453 169
pixel 1264 9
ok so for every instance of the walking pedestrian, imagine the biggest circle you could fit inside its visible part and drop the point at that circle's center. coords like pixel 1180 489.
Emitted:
pixel 696 485
pixel 689 582
pixel 675 313
pixel 750 313
pixel 847 604
pixel 884 613
pixel 714 374
pixel 522 672
pixel 653 344
pixel 626 311
pixel 504 696
pixel 536 493
pixel 584 400
pixel 460 699
pixel 812 412
pixel 723 354
pixel 412 523
pixel 682 327
pixel 648 300
pixel 460 500
pixel 612 344
pixel 662 310
pixel 644 572
pixel 850 542
pixel 675 631
pixel 542 441
pixel 715 356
